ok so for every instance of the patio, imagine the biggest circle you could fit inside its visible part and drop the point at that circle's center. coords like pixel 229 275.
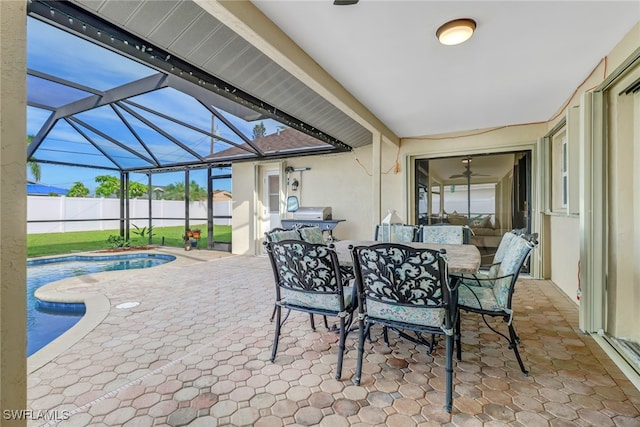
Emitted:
pixel 196 352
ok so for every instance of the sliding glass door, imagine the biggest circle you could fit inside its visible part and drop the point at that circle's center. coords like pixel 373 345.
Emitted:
pixel 489 193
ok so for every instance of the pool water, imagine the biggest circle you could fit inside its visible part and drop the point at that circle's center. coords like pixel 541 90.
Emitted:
pixel 47 321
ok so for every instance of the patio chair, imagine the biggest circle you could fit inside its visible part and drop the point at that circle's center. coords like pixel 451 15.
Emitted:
pixel 277 235
pixel 314 234
pixel 308 279
pixel 447 234
pixel 493 295
pixel 405 289
pixel 309 234
pixel 491 270
pixel 404 233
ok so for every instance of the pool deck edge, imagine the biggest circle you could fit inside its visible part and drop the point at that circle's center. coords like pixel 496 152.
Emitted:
pixel 97 308
pixel 97 304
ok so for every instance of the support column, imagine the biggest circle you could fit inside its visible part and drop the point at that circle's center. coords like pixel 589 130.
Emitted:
pixel 13 209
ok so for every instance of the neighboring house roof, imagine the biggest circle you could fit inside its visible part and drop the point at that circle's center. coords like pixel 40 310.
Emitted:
pixel 279 142
pixel 45 190
pixel 221 195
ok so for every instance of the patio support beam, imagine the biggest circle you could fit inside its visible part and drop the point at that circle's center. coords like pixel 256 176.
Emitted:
pixel 13 209
pixel 246 20
pixel 64 82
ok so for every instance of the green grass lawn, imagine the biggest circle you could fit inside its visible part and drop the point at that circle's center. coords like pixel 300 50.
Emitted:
pixel 77 241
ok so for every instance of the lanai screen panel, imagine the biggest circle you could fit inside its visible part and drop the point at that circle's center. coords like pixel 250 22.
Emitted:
pixel 92 106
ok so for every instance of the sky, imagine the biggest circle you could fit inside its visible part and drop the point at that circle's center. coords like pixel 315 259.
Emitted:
pixel 65 56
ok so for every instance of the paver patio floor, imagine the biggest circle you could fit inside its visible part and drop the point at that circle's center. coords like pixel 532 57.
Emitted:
pixel 196 350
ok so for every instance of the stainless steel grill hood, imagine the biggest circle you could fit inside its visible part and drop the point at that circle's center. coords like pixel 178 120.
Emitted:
pixel 312 213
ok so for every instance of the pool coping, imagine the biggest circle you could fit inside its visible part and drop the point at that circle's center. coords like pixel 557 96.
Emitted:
pixel 97 308
pixel 97 305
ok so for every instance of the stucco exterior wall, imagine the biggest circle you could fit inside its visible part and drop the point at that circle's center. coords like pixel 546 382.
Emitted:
pixel 564 247
pixel 244 214
pixel 13 208
pixel 341 181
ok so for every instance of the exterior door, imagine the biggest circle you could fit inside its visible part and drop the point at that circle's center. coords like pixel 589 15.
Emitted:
pixel 271 200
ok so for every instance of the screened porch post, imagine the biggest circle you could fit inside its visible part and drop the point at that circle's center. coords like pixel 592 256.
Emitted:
pixel 150 195
pixel 122 207
pixel 127 205
pixel 186 201
pixel 209 208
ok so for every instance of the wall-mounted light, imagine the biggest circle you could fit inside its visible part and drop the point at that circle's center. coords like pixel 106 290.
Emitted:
pixel 456 31
pixel 294 184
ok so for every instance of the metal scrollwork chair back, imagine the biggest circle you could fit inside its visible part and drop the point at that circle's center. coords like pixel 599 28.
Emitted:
pixel 404 289
pixel 308 279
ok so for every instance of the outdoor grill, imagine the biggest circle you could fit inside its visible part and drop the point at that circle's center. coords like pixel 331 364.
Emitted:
pixel 312 213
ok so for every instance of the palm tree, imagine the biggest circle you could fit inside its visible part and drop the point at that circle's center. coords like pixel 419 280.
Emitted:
pixel 259 131
pixel 34 167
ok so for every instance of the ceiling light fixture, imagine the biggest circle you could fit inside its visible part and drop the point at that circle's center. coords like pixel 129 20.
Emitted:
pixel 456 31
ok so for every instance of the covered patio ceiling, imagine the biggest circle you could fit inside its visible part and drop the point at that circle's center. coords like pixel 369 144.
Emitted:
pixel 99 96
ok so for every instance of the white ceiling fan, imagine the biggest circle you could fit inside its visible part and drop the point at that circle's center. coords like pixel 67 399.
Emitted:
pixel 467 173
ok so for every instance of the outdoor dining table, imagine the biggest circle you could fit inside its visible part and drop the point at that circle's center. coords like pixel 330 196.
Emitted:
pixel 461 258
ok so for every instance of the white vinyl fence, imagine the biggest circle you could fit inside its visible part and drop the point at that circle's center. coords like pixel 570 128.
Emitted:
pixel 63 213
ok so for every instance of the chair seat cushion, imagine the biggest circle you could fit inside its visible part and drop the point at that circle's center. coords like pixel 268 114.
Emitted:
pixel 478 297
pixel 322 301
pixel 425 316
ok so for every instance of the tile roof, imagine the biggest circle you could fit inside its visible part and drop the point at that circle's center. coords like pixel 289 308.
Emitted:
pixel 282 141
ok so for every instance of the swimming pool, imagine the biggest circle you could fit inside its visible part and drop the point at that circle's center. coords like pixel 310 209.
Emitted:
pixel 47 321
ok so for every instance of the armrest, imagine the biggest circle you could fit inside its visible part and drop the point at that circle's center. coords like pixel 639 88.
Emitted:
pixel 488 266
pixel 484 282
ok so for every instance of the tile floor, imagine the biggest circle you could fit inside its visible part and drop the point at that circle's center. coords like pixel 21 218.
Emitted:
pixel 196 352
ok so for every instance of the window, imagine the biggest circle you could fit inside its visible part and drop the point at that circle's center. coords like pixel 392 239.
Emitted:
pixel 274 194
pixel 559 169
